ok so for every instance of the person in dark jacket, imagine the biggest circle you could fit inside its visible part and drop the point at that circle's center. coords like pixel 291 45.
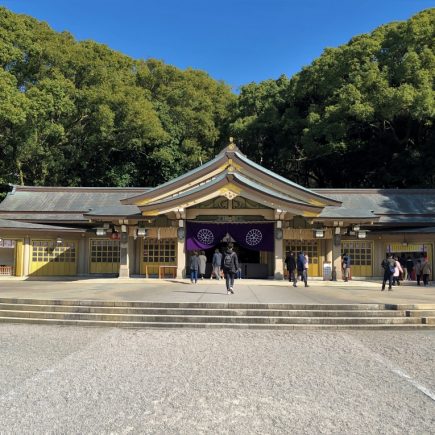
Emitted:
pixel 409 268
pixel 194 267
pixel 230 266
pixel 388 264
pixel 290 263
pixel 345 265
pixel 302 266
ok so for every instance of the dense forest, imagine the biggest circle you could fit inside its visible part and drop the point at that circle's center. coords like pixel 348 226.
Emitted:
pixel 80 114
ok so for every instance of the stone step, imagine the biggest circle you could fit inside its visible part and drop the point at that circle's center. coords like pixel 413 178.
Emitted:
pixel 216 305
pixel 204 311
pixel 428 320
pixel 163 325
pixel 205 318
pixel 420 313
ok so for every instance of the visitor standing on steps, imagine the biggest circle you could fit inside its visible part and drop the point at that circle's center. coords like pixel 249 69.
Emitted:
pixel 230 266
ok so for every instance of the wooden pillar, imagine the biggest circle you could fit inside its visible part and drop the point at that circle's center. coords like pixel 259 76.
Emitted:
pixel 124 268
pixel 181 258
pixel 26 256
pixel 83 257
pixel 279 261
pixel 336 255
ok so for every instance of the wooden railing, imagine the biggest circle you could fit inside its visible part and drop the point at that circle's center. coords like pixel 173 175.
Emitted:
pixel 7 270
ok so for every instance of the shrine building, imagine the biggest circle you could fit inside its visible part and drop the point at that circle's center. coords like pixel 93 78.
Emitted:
pixel 151 232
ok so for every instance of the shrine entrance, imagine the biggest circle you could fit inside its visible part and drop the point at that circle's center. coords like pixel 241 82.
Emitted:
pixel 253 243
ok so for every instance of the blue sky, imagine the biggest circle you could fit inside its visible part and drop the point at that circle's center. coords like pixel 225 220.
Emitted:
pixel 238 41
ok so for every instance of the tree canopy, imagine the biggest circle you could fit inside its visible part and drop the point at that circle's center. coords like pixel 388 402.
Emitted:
pixel 80 114
pixel 359 115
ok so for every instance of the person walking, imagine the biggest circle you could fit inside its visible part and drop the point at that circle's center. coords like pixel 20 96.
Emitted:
pixel 418 276
pixel 425 271
pixel 402 261
pixel 216 264
pixel 202 263
pixel 302 267
pixel 230 266
pixel 388 264
pixel 345 264
pixel 397 271
pixel 409 267
pixel 194 267
pixel 290 263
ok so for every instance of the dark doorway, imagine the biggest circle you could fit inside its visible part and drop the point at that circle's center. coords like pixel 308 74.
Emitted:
pixel 249 261
pixel 244 255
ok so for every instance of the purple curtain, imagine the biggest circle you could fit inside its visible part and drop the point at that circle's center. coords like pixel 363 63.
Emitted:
pixel 258 237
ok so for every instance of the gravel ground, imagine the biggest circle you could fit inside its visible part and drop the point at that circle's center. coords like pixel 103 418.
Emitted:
pixel 89 380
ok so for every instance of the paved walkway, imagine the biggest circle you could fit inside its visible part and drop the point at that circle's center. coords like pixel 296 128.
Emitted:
pixel 246 291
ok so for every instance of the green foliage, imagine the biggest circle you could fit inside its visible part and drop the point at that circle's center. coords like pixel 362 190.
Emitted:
pixel 359 115
pixel 78 113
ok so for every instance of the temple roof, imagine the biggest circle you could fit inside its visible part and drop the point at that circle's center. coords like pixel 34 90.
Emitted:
pixel 65 204
pixel 389 206
pixel 229 183
pixel 231 174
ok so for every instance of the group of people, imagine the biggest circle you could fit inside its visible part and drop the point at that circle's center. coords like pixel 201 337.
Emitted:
pixel 396 268
pixel 226 264
pixel 297 267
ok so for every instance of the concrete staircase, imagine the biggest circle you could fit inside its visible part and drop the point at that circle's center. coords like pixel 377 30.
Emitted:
pixel 217 315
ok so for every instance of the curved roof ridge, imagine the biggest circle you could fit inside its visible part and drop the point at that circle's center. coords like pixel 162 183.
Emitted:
pixel 282 179
pixel 20 188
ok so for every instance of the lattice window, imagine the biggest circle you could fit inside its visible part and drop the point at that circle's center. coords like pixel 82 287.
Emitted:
pixel 45 251
pixel 309 247
pixel 360 252
pixel 104 251
pixel 159 251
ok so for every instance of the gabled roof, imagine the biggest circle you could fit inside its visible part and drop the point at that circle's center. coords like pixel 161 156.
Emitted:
pixel 389 206
pixel 233 183
pixel 64 204
pixel 230 170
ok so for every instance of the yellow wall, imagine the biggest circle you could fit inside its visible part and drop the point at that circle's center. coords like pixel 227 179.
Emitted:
pixel 47 258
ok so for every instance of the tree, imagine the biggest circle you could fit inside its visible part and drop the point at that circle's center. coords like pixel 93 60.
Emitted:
pixel 359 115
pixel 78 113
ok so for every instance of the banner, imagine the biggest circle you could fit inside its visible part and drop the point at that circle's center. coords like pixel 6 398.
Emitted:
pixel 202 236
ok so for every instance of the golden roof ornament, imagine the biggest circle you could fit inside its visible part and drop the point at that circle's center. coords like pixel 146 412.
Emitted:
pixel 231 145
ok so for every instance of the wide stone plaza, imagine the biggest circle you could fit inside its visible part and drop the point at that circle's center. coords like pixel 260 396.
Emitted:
pixel 62 379
pixel 105 380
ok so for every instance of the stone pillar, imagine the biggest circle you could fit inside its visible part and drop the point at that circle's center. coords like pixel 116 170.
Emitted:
pixel 279 261
pixel 131 254
pixel 336 255
pixel 328 250
pixel 83 257
pixel 26 256
pixel 124 267
pixel 181 258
